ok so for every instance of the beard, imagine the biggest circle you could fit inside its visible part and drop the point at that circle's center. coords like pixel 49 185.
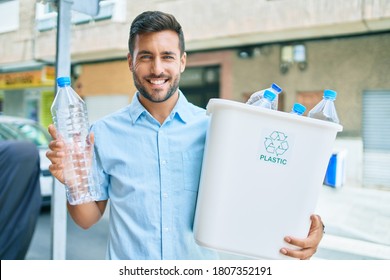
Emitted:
pixel 154 96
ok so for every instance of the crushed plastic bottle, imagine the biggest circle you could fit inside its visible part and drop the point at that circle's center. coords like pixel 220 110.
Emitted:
pixel 325 109
pixel 70 118
pixel 259 94
pixel 266 100
pixel 298 109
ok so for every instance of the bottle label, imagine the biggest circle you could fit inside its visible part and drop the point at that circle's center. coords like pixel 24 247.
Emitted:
pixel 275 147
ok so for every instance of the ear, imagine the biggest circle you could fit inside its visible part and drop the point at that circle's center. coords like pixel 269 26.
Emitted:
pixel 130 61
pixel 183 61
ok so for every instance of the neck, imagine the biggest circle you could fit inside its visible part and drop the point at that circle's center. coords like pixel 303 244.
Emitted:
pixel 159 110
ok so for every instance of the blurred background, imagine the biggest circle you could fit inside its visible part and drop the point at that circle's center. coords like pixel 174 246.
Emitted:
pixel 234 47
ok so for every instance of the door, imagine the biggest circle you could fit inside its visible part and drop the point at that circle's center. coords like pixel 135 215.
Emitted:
pixel 376 139
pixel 199 84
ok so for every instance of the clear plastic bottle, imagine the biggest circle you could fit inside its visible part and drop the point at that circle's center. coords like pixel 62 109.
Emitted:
pixel 70 117
pixel 259 94
pixel 266 100
pixel 298 109
pixel 325 109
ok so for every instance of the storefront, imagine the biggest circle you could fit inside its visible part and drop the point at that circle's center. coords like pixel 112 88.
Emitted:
pixel 28 93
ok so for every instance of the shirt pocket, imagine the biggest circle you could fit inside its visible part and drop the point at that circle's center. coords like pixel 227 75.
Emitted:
pixel 192 167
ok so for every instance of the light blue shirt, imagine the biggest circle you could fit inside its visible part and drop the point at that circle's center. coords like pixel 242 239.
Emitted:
pixel 151 174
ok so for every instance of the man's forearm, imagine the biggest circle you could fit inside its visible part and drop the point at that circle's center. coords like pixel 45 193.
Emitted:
pixel 88 214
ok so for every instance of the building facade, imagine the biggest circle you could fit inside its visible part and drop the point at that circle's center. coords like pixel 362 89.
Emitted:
pixel 234 48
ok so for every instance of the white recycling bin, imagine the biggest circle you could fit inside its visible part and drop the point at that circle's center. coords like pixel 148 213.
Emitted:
pixel 261 178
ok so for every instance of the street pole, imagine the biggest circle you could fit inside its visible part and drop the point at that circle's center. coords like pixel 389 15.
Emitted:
pixel 58 204
pixel 63 64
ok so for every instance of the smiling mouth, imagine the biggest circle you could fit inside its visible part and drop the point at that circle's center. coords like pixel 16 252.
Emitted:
pixel 157 82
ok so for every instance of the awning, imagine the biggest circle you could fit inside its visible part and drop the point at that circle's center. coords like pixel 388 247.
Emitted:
pixel 26 75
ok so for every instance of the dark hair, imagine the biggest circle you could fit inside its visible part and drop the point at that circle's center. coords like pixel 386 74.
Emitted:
pixel 154 21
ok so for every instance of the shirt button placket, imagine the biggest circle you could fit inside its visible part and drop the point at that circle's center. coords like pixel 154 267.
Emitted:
pixel 166 207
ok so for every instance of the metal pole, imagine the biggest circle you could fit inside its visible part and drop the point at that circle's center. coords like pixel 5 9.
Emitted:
pixel 63 62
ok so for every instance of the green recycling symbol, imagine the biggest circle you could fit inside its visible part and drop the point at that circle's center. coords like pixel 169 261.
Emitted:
pixel 276 143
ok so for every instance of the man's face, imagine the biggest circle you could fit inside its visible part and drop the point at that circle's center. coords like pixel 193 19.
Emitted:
pixel 156 65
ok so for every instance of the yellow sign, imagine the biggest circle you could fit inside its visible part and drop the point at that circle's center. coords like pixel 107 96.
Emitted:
pixel 28 79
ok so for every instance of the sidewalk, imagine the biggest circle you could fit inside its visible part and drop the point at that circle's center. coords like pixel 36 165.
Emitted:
pixel 357 228
pixel 357 222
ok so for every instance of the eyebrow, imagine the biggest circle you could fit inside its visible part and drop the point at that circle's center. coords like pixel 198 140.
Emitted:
pixel 163 53
pixel 169 52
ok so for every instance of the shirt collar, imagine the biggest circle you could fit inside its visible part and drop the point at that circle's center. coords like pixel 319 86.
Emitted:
pixel 181 109
pixel 136 108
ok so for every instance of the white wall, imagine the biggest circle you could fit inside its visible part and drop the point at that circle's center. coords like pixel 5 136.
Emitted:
pixel 100 106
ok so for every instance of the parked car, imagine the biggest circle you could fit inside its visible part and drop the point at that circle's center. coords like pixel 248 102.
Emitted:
pixel 15 128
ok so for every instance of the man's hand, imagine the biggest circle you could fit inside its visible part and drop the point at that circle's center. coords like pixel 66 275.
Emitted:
pixel 57 152
pixel 308 246
pixel 56 155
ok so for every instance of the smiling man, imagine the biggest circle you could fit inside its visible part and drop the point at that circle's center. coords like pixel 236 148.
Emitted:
pixel 156 61
pixel 156 66
pixel 149 156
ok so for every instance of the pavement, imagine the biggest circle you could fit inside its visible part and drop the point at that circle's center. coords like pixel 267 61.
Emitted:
pixel 357 228
pixel 357 223
pixel 80 244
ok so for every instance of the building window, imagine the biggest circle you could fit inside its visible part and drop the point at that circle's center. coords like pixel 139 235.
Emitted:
pixel 46 14
pixel 9 15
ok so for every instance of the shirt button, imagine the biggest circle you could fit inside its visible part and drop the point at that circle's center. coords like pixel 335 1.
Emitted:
pixel 163 162
pixel 166 229
pixel 165 195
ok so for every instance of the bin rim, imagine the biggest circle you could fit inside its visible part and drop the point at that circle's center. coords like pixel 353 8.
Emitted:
pixel 225 103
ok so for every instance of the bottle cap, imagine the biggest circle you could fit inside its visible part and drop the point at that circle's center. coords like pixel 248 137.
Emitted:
pixel 63 81
pixel 330 94
pixel 299 108
pixel 269 95
pixel 276 88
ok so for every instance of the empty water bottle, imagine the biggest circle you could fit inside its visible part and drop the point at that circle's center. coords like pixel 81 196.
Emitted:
pixel 298 109
pixel 259 94
pixel 266 100
pixel 325 109
pixel 70 118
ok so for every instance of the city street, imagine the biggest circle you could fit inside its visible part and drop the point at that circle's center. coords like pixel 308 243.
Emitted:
pixel 81 244
pixel 357 228
pixel 133 87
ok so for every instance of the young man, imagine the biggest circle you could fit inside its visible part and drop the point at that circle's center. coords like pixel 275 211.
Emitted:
pixel 150 154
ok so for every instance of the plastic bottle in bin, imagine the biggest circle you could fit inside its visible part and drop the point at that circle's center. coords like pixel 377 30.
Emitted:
pixel 266 100
pixel 70 118
pixel 325 109
pixel 298 109
pixel 255 97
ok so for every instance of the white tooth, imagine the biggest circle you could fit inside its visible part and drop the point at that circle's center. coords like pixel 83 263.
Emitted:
pixel 157 82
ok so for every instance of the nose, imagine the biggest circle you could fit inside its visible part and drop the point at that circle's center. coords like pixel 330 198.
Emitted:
pixel 157 66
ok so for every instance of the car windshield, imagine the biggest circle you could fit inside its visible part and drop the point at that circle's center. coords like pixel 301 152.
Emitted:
pixel 7 133
pixel 25 131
